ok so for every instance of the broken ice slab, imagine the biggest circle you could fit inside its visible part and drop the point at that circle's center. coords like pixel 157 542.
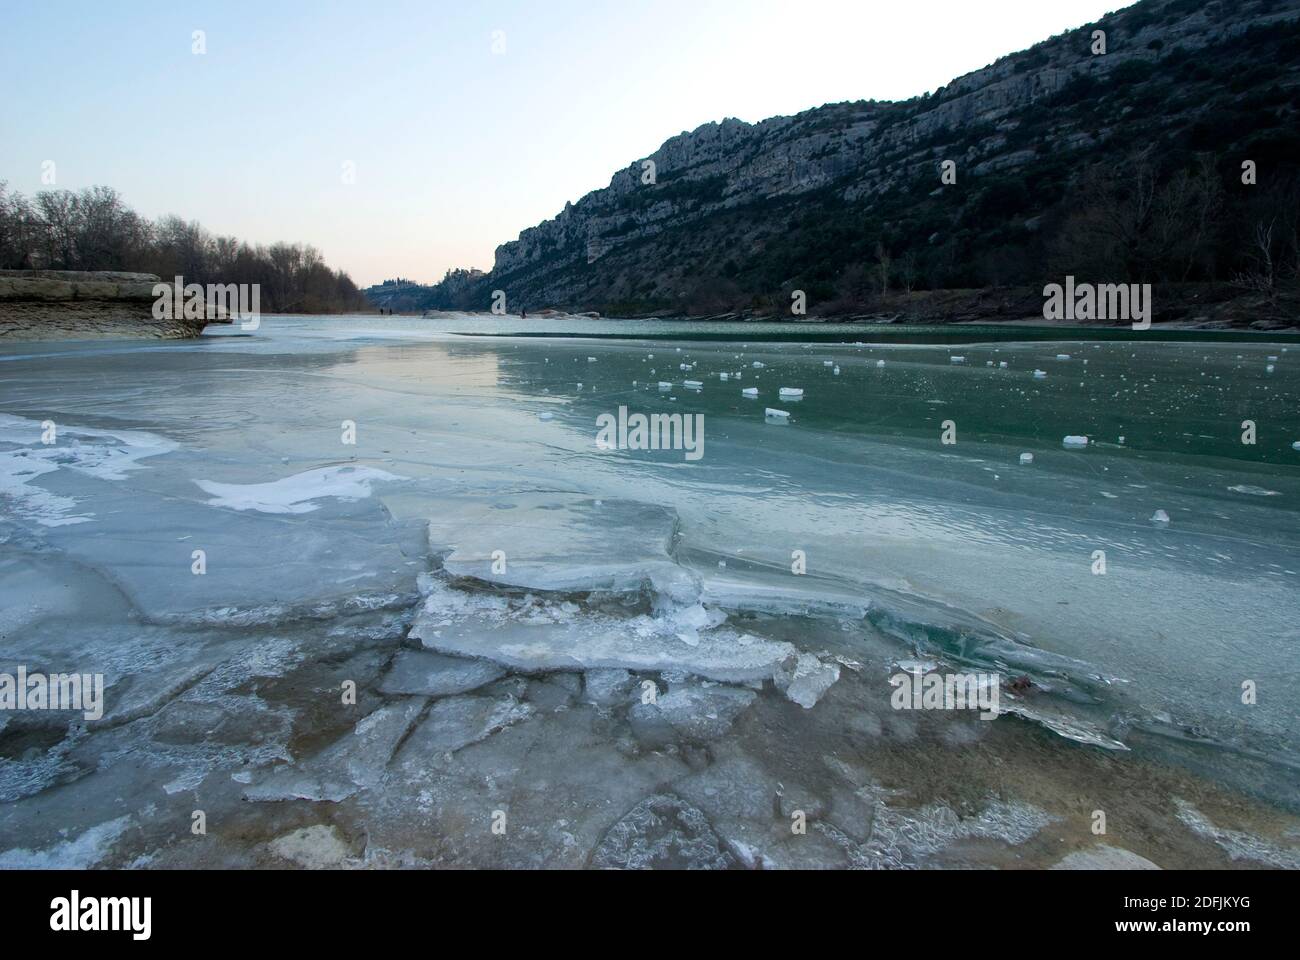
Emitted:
pixel 540 638
pixel 807 679
pixel 420 673
pixel 790 393
pixel 355 761
pixel 749 392
pixel 773 414
pixel 698 711
pixel 1061 723
pixel 1073 441
pixel 457 722
pixel 606 687
pixel 563 543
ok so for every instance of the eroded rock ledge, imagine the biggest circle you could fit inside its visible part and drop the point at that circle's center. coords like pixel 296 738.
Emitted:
pixel 76 305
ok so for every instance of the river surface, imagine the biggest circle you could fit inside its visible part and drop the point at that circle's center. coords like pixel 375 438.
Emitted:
pixel 374 592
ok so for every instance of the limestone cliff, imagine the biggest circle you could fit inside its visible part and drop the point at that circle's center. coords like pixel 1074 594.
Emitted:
pixel 72 305
pixel 838 195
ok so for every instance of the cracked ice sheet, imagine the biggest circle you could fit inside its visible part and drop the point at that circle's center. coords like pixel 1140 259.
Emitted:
pixel 559 542
pixel 356 761
pixel 279 565
pixel 549 636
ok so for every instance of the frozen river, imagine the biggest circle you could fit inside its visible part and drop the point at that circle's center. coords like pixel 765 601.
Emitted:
pixel 373 593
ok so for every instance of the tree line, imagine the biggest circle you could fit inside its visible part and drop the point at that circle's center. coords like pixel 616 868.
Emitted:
pixel 93 229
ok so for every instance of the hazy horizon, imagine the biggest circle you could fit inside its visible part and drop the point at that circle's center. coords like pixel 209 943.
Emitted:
pixel 461 127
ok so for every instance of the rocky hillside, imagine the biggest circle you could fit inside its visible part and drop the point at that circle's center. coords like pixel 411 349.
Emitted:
pixel 1116 165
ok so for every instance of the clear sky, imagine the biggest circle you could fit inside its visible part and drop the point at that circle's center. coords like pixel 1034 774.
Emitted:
pixel 464 122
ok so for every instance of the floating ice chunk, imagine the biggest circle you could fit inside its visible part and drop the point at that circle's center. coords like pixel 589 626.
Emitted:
pixel 591 359
pixel 1296 445
pixel 828 363
pixel 1073 441
pixel 836 371
pixel 1040 374
pixel 957 359
pixel 1159 517
pixel 789 393
pixel 773 414
pixel 753 392
pixel 757 365
pixel 1002 365
pixel 294 494
pixel 692 384
pixel 1062 356
pixel 546 416
pixel 1026 458
pixel 880 363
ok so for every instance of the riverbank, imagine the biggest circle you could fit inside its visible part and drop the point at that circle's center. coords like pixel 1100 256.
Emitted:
pixel 40 305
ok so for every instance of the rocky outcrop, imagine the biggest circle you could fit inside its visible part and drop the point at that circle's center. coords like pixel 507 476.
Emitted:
pixel 71 305
pixel 735 211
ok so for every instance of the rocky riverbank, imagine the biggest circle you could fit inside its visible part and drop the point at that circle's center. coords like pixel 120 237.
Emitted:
pixel 75 305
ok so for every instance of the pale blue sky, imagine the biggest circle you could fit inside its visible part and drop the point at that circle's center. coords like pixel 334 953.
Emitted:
pixel 455 148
